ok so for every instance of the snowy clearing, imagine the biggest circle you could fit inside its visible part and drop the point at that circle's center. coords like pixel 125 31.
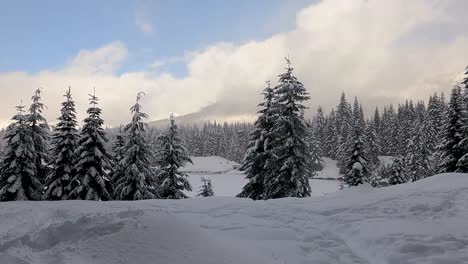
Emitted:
pixel 210 164
pixel 229 182
pixel 420 222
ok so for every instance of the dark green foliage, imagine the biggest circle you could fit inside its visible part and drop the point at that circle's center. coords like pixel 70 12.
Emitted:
pixel 171 157
pixel 18 177
pixel 64 142
pixel 93 164
pixel 206 190
pixel 288 175
pixel 135 179
pixel 258 152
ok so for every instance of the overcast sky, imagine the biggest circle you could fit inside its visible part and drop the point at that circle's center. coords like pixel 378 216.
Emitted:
pixel 213 57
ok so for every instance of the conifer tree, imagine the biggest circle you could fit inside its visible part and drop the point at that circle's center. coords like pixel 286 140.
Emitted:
pixel 462 163
pixel 18 178
pixel 172 156
pixel 93 164
pixel 118 147
pixel 135 180
pixel 206 190
pixel 451 150
pixel 372 145
pixel 358 169
pixel 320 135
pixel 418 156
pixel 288 176
pixel 397 172
pixel 40 134
pixel 64 143
pixel 315 152
pixel 331 139
pixel 118 152
pixel 259 150
pixel 344 119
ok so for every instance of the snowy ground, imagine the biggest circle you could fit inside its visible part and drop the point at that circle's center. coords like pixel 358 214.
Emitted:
pixel 227 181
pixel 420 222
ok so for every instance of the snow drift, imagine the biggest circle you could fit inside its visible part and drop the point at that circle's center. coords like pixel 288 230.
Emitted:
pixel 420 222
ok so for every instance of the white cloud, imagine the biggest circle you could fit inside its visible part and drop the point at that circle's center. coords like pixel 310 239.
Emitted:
pixel 365 48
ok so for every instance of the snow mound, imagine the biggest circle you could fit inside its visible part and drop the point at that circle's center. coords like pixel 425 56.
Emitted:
pixel 211 164
pixel 420 222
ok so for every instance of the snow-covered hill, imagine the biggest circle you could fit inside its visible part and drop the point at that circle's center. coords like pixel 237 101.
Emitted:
pixel 420 222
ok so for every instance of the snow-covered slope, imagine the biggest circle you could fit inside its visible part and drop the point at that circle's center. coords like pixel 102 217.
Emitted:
pixel 420 222
pixel 211 164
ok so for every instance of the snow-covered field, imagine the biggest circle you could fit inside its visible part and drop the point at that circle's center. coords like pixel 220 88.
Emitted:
pixel 420 222
pixel 227 181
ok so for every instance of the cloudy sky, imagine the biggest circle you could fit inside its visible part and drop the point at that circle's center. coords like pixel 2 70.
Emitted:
pixel 212 57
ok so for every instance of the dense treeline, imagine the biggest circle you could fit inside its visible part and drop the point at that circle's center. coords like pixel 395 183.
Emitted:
pixel 279 152
pixel 421 139
pixel 67 163
pixel 227 140
pixel 412 133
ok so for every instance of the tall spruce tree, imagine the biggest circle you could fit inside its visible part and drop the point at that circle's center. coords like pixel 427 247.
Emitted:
pixel 398 174
pixel 64 142
pixel 93 164
pixel 18 177
pixel 315 152
pixel 40 134
pixel 331 139
pixel 358 168
pixel 171 157
pixel 288 176
pixel 135 179
pixel 258 152
pixel 344 119
pixel 451 149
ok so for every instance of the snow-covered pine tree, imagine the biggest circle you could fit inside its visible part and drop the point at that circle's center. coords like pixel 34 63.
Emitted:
pixel 372 145
pixel 358 168
pixel 118 152
pixel 462 163
pixel 345 127
pixel 315 152
pixel 206 190
pixel 93 164
pixel 258 152
pixel 398 173
pixel 118 147
pixel 40 134
pixel 171 157
pixel 331 139
pixel 18 178
pixel 135 179
pixel 288 176
pixel 320 135
pixel 417 159
pixel 451 150
pixel 64 143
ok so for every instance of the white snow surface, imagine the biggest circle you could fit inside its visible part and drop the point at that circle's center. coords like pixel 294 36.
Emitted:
pixel 330 169
pixel 227 181
pixel 210 164
pixel 419 222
